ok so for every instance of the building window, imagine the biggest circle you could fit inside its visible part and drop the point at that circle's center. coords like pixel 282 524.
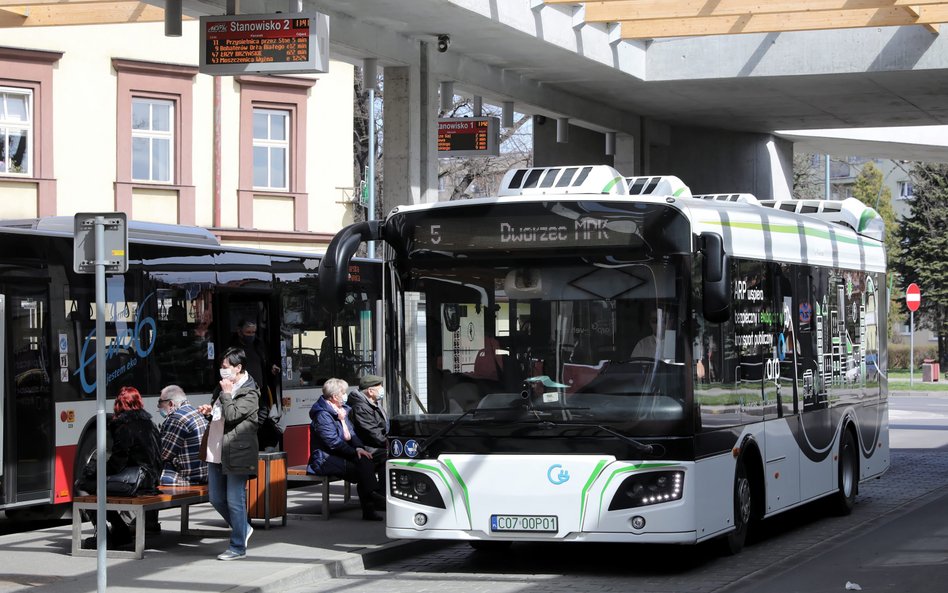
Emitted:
pixel 905 190
pixel 16 131
pixel 152 140
pixel 271 147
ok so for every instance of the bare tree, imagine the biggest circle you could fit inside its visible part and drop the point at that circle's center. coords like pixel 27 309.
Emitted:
pixel 360 140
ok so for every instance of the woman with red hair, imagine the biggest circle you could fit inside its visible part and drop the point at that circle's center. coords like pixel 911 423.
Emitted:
pixel 134 439
pixel 135 442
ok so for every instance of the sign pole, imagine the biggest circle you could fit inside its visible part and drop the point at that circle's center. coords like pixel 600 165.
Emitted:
pixel 100 428
pixel 913 298
pixel 370 182
pixel 911 348
pixel 95 235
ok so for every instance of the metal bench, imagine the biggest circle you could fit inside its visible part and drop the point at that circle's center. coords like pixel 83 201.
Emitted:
pixel 297 473
pixel 170 497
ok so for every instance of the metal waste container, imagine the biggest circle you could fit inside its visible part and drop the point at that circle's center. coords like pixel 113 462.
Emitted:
pixel 266 493
pixel 930 371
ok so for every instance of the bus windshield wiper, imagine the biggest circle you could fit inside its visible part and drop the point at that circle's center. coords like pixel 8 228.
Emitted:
pixel 647 449
pixel 437 436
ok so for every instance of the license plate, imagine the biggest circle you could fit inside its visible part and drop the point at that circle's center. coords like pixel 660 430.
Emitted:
pixel 533 523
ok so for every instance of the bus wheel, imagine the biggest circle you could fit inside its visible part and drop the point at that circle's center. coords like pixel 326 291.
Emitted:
pixel 743 511
pixel 490 546
pixel 845 498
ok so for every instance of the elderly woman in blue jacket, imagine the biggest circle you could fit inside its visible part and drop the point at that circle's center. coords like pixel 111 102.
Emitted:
pixel 337 449
pixel 230 448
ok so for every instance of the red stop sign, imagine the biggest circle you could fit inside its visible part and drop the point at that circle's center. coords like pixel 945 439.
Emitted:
pixel 913 297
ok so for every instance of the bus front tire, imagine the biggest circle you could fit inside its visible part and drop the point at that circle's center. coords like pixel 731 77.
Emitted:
pixel 734 542
pixel 847 476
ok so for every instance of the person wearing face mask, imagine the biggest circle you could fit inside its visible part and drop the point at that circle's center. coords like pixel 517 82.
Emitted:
pixel 263 373
pixel 180 436
pixel 338 450
pixel 370 421
pixel 230 448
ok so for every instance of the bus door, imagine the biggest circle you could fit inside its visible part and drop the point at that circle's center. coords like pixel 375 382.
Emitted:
pixel 248 322
pixel 259 336
pixel 781 405
pixel 27 406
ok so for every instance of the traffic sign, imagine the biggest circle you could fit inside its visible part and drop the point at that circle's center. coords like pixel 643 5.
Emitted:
pixel 913 297
pixel 114 241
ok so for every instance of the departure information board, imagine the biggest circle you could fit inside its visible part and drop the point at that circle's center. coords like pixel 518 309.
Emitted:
pixel 277 43
pixel 468 136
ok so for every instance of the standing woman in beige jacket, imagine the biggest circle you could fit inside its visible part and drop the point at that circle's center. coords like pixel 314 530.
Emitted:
pixel 230 448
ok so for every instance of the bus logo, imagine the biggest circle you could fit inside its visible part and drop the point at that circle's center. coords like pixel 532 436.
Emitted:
pixel 411 448
pixel 130 340
pixel 557 477
pixel 396 448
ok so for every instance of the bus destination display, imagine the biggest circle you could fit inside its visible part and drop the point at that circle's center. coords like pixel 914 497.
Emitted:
pixel 236 44
pixel 468 136
pixel 522 232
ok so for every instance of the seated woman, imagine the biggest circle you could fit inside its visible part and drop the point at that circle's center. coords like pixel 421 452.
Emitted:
pixel 337 449
pixel 134 443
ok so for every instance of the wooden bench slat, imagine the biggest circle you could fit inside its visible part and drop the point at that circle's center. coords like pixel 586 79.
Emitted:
pixel 169 497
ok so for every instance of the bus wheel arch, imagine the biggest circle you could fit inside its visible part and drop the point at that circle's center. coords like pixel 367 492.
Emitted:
pixel 847 471
pixel 747 497
pixel 85 447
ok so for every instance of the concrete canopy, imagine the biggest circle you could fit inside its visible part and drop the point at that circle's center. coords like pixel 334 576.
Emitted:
pixel 551 59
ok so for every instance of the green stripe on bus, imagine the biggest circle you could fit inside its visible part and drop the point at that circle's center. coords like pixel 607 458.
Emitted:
pixel 790 229
pixel 467 498
pixel 592 478
pixel 608 187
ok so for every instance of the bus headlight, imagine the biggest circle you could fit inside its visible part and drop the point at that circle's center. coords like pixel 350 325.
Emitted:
pixel 643 489
pixel 414 487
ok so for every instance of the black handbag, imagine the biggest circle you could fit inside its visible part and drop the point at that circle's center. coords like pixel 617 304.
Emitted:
pixel 127 482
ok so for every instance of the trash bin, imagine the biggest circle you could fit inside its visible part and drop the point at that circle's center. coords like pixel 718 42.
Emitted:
pixel 266 493
pixel 930 371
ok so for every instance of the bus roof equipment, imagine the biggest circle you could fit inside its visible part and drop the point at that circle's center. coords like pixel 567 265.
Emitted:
pixel 589 179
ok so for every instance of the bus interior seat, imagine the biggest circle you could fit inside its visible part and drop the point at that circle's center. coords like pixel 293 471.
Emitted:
pixel 461 396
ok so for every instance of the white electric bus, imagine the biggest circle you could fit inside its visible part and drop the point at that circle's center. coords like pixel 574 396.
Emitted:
pixel 592 358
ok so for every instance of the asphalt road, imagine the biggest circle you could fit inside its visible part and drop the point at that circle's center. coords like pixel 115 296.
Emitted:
pixel 904 553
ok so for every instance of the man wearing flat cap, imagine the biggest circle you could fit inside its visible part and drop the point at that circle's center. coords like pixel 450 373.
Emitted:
pixel 370 422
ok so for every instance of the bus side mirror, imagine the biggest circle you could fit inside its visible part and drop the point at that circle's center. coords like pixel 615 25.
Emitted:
pixel 334 267
pixel 715 280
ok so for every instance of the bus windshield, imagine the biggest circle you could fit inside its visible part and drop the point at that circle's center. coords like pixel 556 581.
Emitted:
pixel 551 340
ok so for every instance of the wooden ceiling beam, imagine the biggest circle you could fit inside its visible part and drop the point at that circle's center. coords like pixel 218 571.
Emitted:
pixel 78 13
pixel 6 3
pixel 781 22
pixel 630 10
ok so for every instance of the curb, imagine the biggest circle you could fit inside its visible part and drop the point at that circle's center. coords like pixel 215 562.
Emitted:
pixel 347 564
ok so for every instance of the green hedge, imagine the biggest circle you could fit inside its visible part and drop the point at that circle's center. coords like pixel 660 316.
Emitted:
pixel 899 355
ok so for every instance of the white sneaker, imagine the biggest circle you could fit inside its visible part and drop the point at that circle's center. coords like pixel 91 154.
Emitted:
pixel 249 533
pixel 231 555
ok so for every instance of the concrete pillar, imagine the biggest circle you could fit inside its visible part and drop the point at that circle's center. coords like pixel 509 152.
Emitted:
pixel 410 155
pixel 725 161
pixel 426 89
pixel 401 146
pixel 624 158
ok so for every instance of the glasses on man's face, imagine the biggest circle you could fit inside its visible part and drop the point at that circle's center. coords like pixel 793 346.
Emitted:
pixel 162 401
